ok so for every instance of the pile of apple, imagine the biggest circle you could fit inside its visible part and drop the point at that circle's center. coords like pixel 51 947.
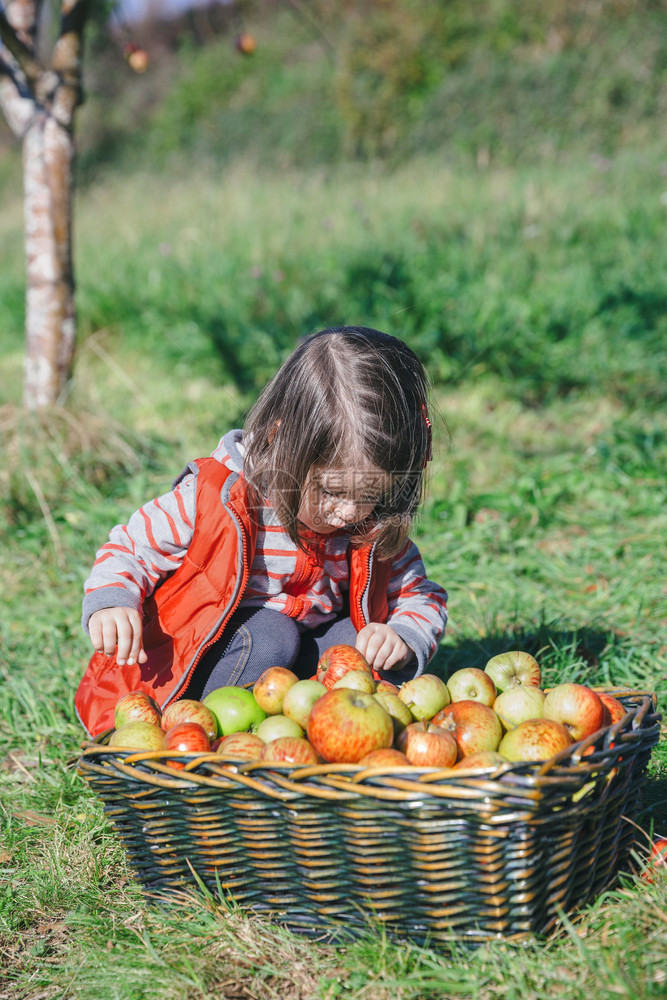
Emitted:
pixel 479 718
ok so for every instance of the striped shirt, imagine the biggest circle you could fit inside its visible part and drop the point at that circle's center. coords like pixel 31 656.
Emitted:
pixel 309 586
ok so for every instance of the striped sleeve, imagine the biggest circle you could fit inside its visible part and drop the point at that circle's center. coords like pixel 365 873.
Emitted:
pixel 142 553
pixel 417 605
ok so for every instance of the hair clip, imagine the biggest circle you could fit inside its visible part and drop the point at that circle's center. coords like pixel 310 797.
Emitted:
pixel 429 443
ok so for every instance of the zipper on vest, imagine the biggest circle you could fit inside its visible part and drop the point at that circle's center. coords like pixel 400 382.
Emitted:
pixel 227 614
pixel 366 589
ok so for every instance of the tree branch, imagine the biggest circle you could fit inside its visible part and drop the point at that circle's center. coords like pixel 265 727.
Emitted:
pixel 18 49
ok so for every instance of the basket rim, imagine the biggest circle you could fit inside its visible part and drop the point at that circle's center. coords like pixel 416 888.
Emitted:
pixel 570 770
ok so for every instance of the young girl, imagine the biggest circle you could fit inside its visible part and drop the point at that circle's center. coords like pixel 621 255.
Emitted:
pixel 290 538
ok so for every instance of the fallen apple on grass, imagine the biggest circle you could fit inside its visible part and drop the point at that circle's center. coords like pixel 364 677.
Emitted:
pixel 657 860
pixel 345 725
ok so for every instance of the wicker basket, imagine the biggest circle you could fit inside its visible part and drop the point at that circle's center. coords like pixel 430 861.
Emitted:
pixel 430 855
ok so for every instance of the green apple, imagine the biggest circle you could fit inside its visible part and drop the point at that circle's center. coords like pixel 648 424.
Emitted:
pixel 235 709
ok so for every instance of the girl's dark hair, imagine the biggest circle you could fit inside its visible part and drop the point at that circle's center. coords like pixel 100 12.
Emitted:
pixel 347 393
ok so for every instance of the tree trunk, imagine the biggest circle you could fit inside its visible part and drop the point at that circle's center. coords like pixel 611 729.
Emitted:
pixel 50 320
pixel 39 104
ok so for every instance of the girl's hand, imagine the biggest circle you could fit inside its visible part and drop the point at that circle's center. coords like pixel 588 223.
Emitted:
pixel 382 647
pixel 121 627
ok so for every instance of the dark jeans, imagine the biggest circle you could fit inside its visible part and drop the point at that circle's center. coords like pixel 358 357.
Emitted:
pixel 258 638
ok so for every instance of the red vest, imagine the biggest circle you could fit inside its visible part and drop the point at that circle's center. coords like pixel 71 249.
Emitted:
pixel 189 610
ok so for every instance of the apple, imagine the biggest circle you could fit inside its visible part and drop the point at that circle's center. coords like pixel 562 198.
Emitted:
pixel 484 758
pixel 427 745
pixel 136 706
pixel 534 740
pixel 513 667
pixel 577 707
pixel 615 710
pixel 276 726
pixel 189 710
pixel 387 686
pixel 138 735
pixel 424 695
pixel 345 725
pixel 293 750
pixel 245 43
pixel 336 661
pixel 186 736
pixel 474 726
pixel 299 700
pixel 518 704
pixel 359 680
pixel 471 684
pixel 401 716
pixel 247 746
pixel 234 708
pixel 271 687
pixel 385 757
pixel 657 859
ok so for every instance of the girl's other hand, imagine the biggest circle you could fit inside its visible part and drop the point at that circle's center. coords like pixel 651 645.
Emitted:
pixel 382 647
pixel 117 627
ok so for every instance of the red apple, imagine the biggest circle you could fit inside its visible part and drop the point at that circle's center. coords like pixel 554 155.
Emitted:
pixel 276 726
pixel 401 715
pixel 424 695
pixel 474 726
pixel 513 667
pixel 385 757
pixel 136 706
pixel 657 859
pixel 299 700
pixel 189 710
pixel 246 746
pixel 336 661
pixel 138 736
pixel 345 724
pixel 271 687
pixel 577 707
pixel 534 740
pixel 615 710
pixel 471 684
pixel 427 745
pixel 485 758
pixel 292 750
pixel 518 704
pixel 186 736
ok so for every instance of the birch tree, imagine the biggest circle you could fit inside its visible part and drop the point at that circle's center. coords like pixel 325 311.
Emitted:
pixel 40 91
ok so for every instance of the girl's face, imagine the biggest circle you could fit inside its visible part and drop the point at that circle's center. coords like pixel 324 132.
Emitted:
pixel 339 498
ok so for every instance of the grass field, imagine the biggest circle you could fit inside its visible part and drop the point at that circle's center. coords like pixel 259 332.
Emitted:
pixel 536 300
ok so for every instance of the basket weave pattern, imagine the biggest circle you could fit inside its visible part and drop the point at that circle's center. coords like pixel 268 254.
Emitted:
pixel 432 855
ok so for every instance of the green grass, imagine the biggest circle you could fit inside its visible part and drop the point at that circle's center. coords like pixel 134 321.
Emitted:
pixel 545 518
